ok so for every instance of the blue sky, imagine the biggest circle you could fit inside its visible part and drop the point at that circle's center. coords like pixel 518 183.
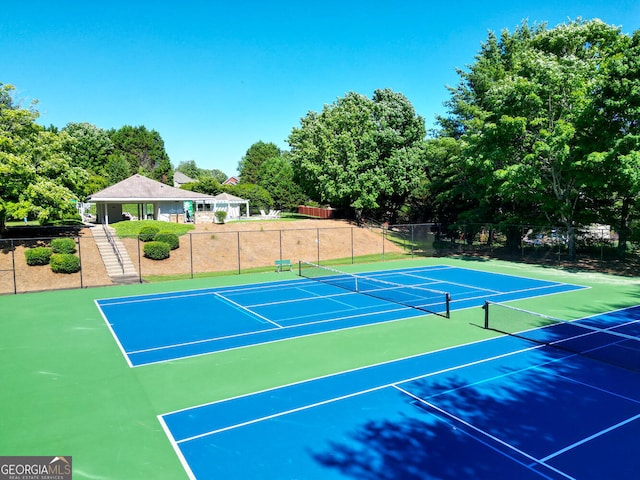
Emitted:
pixel 215 77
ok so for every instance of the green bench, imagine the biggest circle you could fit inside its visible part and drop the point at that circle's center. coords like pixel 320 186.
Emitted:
pixel 282 265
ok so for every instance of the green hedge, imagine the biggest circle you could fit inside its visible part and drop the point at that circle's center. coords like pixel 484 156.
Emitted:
pixel 148 232
pixel 221 216
pixel 38 256
pixel 65 263
pixel 170 238
pixel 157 250
pixel 63 245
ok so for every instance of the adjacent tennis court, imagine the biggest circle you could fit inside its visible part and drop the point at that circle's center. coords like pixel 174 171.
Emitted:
pixel 161 327
pixel 518 406
pixel 348 402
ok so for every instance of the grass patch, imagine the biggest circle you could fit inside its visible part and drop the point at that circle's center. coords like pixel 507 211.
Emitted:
pixel 32 223
pixel 132 228
pixel 77 394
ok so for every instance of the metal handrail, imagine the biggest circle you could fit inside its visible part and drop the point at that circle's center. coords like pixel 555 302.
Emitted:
pixel 112 241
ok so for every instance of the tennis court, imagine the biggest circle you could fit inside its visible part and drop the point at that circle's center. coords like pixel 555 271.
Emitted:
pixel 515 406
pixel 161 327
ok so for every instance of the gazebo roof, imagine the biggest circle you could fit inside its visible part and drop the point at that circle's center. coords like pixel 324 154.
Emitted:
pixel 137 189
pixel 226 197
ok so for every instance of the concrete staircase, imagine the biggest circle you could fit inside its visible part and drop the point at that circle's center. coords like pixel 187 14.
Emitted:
pixel 114 255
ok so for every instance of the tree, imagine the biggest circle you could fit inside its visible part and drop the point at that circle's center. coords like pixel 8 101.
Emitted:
pixel 276 176
pixel 190 169
pixel 36 176
pixel 117 168
pixel 349 154
pixel 521 111
pixel 444 190
pixel 90 148
pixel 249 166
pixel 209 186
pixel 614 132
pixel 259 198
pixel 144 150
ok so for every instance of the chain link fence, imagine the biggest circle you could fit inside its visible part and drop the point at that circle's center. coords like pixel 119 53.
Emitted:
pixel 203 253
pixel 18 277
pixel 214 252
pixel 199 254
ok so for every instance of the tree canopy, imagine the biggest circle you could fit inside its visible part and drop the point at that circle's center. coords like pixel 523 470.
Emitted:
pixel 525 113
pixel 144 151
pixel 191 169
pixel 251 163
pixel 542 128
pixel 356 153
pixel 37 179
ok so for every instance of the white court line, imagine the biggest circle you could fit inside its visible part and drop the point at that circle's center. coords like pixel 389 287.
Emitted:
pixel 276 340
pixel 409 357
pixel 311 296
pixel 176 448
pixel 350 395
pixel 379 387
pixel 245 309
pixel 113 333
pixel 150 297
pixel 592 437
pixel 443 282
pixel 484 433
pixel 329 320
pixel 465 299
pixel 278 284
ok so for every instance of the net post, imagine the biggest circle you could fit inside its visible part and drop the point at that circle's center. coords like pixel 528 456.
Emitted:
pixel 485 307
pixel 448 303
pixel 299 268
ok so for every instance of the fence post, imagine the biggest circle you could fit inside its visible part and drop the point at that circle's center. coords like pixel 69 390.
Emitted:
pixel 139 261
pixel 412 242
pixel 13 266
pixel 238 253
pixel 352 252
pixel 80 258
pixel 191 252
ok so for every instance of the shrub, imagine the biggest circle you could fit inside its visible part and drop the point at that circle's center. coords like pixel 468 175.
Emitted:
pixel 63 245
pixel 65 263
pixel 221 216
pixel 67 222
pixel 148 232
pixel 38 256
pixel 170 238
pixel 156 250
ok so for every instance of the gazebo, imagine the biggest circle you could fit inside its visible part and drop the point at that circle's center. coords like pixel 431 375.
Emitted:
pixel 230 204
pixel 155 200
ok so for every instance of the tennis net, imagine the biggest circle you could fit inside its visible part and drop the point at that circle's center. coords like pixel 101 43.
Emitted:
pixel 613 342
pixel 424 299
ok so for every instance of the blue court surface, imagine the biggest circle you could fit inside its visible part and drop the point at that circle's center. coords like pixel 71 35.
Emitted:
pixel 168 326
pixel 505 408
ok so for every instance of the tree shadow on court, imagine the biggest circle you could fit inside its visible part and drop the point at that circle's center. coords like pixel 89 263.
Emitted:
pixel 512 410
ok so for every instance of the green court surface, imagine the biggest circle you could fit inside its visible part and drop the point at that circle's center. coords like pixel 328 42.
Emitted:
pixel 67 389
